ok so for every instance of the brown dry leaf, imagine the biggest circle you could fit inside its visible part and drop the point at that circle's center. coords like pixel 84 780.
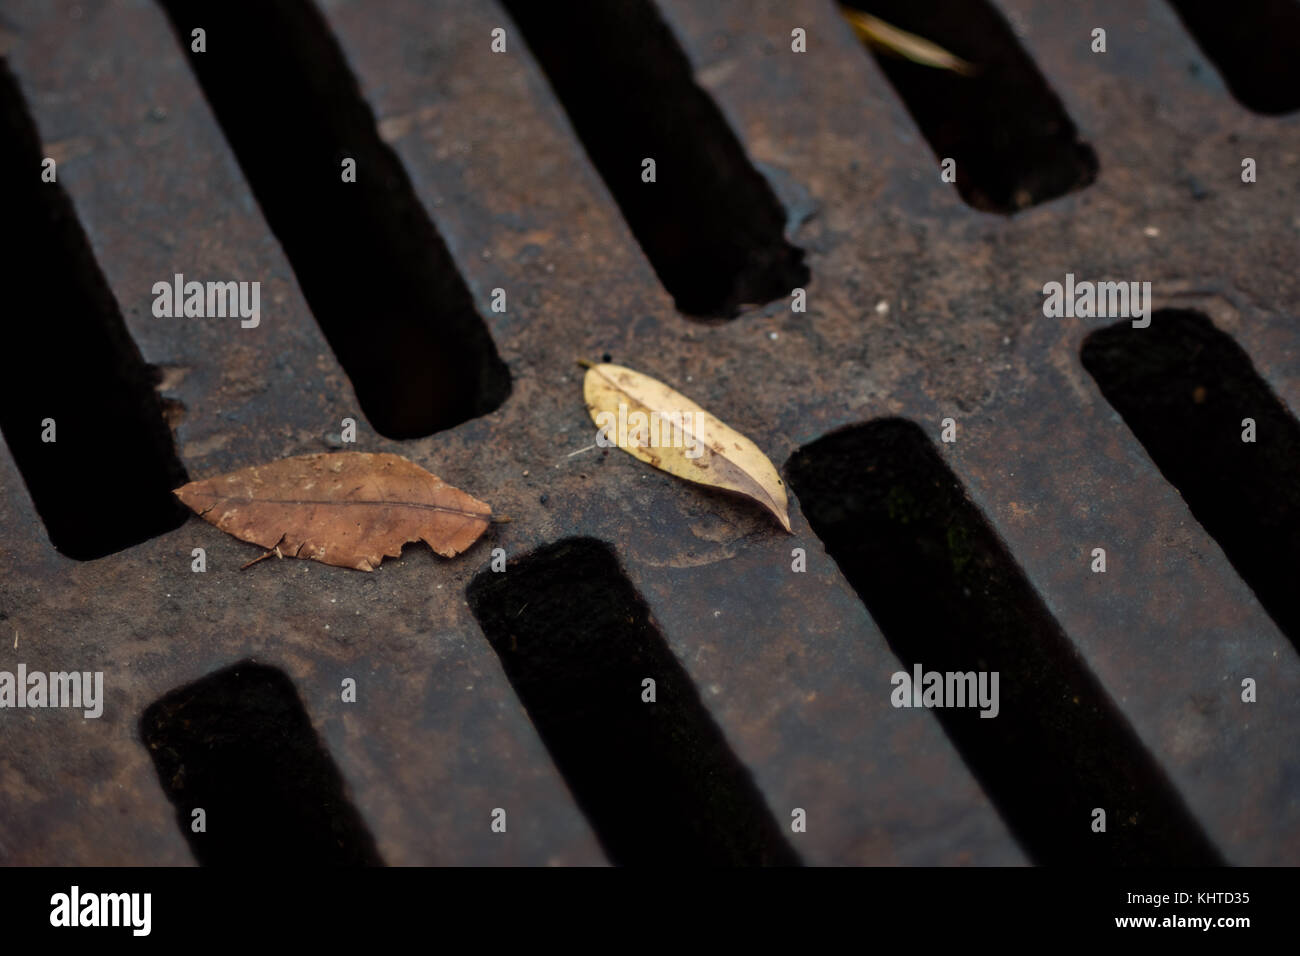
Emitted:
pixel 876 32
pixel 349 509
pixel 679 437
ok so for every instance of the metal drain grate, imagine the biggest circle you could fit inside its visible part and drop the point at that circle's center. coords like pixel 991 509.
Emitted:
pixel 484 171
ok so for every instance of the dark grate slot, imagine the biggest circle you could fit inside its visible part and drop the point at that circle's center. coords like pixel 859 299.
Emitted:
pixel 948 596
pixel 656 780
pixel 239 745
pixel 1256 46
pixel 105 483
pixel 710 224
pixel 1183 387
pixel 1012 141
pixel 375 272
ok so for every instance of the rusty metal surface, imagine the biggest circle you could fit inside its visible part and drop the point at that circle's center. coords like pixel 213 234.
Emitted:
pixel 441 740
pixel 1171 631
pixel 791 667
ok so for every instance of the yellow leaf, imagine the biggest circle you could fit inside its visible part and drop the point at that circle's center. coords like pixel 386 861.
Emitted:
pixel 667 430
pixel 876 32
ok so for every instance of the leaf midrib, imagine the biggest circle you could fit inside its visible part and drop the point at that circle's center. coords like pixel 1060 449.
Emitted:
pixel 336 502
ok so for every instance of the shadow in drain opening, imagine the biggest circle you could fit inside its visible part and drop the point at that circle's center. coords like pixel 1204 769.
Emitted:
pixel 1185 389
pixel 947 596
pixel 657 780
pixel 238 745
pixel 73 373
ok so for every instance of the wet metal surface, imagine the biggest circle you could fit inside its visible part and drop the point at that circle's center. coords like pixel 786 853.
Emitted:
pixel 919 306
